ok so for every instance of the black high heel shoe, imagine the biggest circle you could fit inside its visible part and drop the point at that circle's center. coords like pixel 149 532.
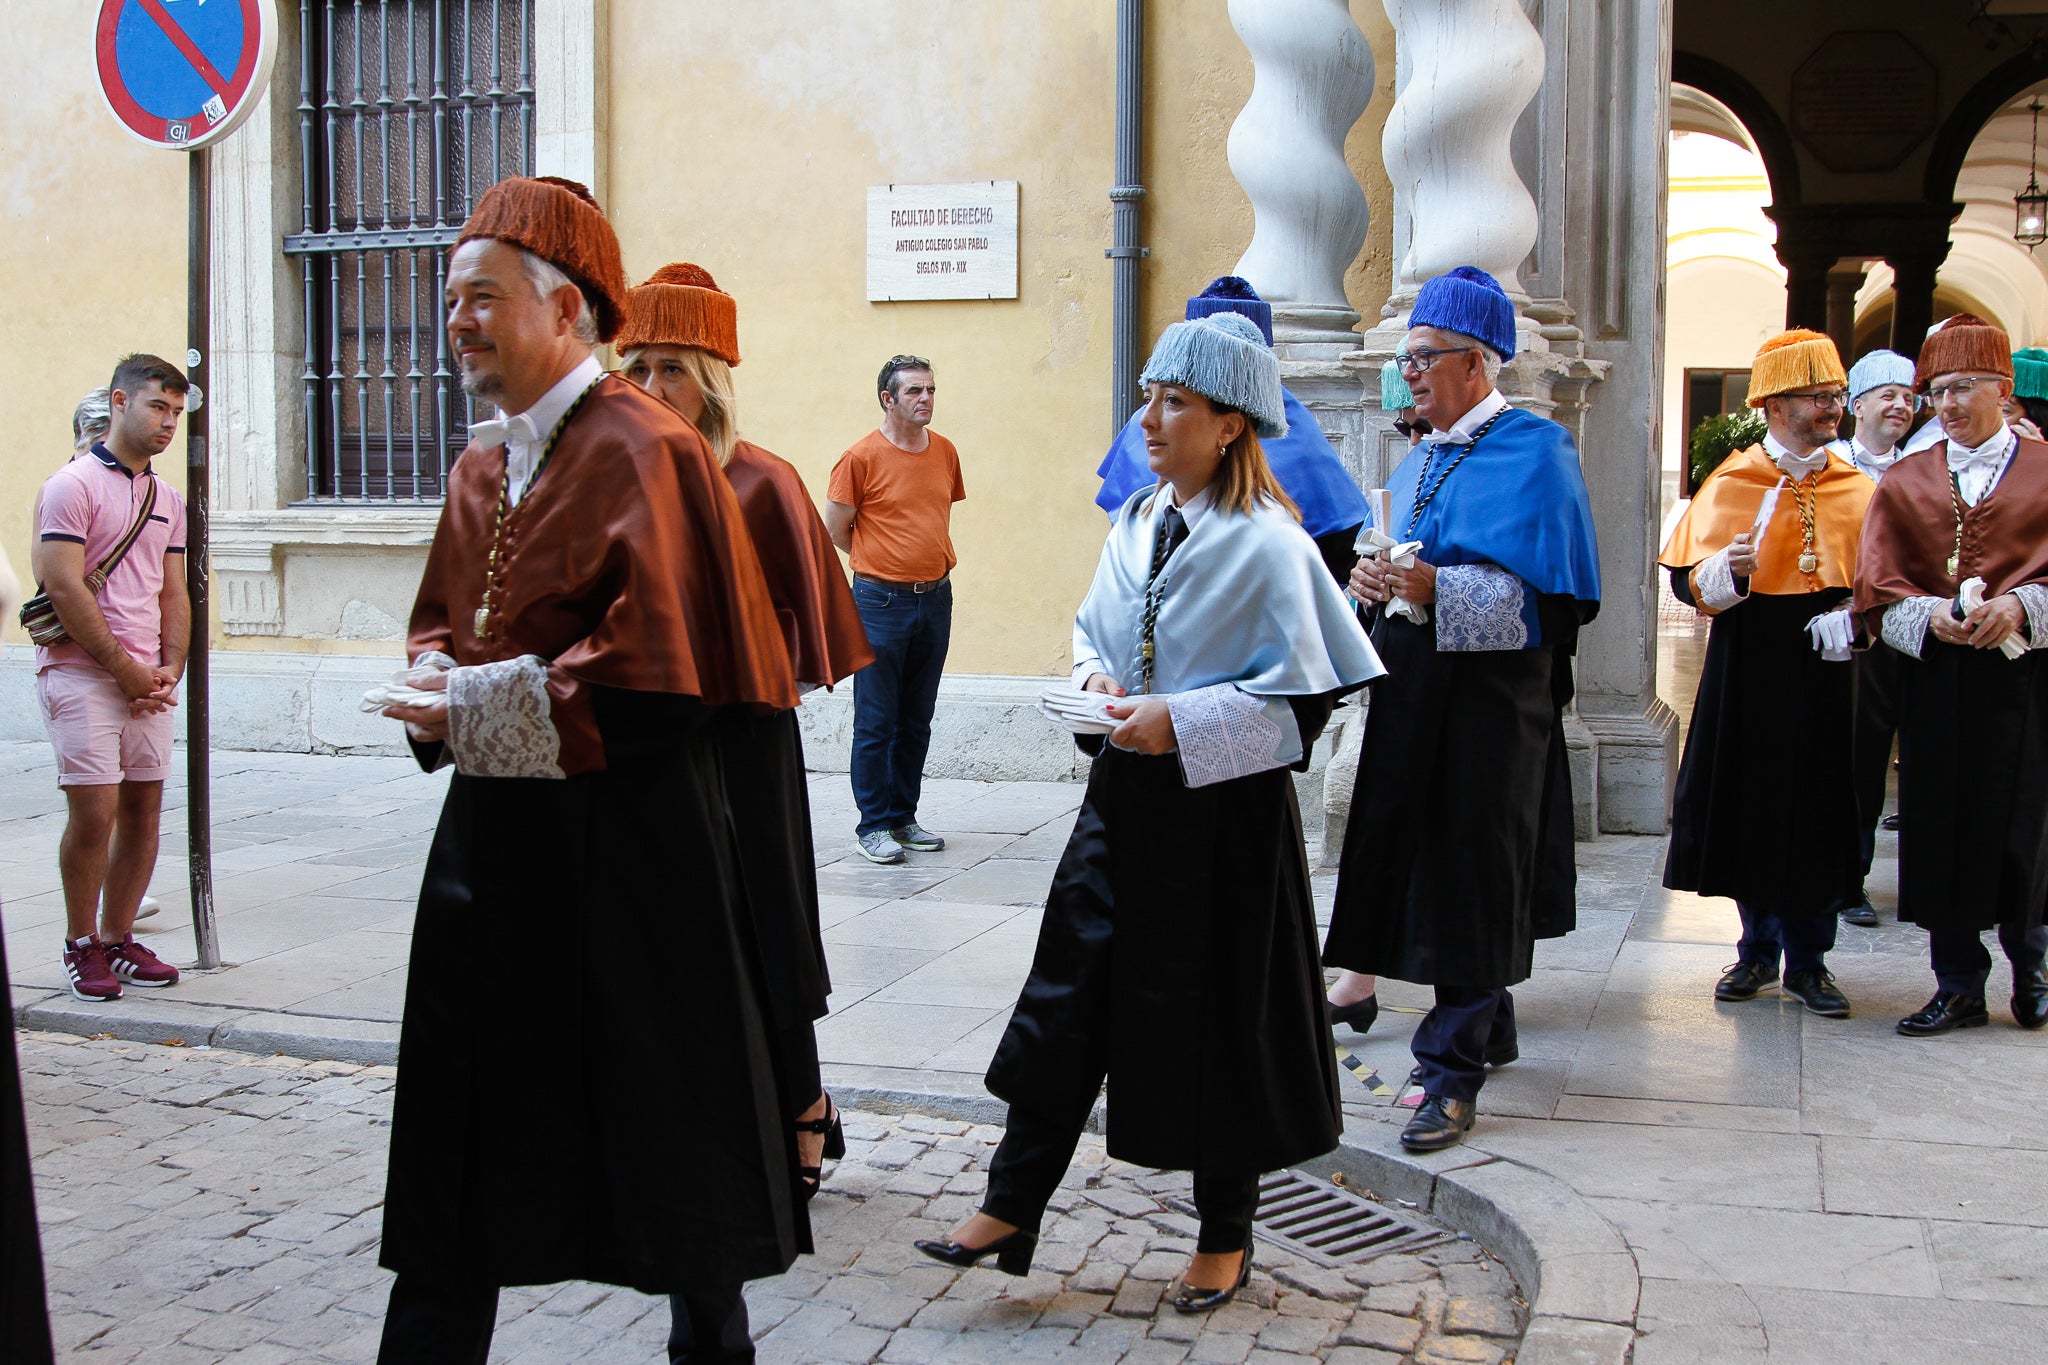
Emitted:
pixel 1013 1253
pixel 1189 1299
pixel 1358 1017
pixel 835 1146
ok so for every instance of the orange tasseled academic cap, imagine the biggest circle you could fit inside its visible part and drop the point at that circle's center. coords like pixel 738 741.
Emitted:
pixel 681 305
pixel 559 221
pixel 1797 359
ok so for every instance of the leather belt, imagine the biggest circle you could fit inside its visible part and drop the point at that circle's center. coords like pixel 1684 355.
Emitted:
pixel 919 588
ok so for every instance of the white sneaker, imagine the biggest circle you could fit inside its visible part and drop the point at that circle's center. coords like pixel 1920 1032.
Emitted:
pixel 879 847
pixel 149 906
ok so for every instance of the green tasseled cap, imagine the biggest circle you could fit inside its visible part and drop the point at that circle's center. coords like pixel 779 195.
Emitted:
pixel 1394 392
pixel 2030 373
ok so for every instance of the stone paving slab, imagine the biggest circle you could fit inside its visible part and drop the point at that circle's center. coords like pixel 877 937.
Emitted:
pixel 209 1205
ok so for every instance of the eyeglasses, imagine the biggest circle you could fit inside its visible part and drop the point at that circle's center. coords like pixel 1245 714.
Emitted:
pixel 1419 427
pixel 902 362
pixel 1832 399
pixel 1960 391
pixel 1419 361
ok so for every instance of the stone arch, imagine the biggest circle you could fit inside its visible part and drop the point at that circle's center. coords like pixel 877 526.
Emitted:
pixel 1978 107
pixel 1768 134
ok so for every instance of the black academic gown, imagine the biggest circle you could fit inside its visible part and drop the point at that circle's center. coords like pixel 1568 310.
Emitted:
pixel 768 806
pixel 1973 788
pixel 569 1139
pixel 24 1313
pixel 1458 854
pixel 1765 809
pixel 1177 955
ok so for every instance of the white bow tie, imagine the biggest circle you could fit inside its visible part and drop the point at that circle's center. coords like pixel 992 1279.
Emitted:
pixel 1962 459
pixel 504 430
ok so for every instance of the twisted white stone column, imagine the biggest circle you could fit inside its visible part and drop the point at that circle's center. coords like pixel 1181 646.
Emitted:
pixel 1468 69
pixel 1313 76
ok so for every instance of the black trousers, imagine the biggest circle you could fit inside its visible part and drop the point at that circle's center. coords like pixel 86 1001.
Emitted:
pixel 1036 1151
pixel 1452 1041
pixel 1877 724
pixel 1963 964
pixel 430 1324
pixel 1802 941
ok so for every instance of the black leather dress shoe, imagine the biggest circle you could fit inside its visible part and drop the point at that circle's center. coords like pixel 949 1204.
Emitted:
pixel 1357 1017
pixel 1815 988
pixel 1438 1123
pixel 1744 980
pixel 1947 1011
pixel 2030 999
pixel 1890 821
pixel 1862 914
pixel 1012 1253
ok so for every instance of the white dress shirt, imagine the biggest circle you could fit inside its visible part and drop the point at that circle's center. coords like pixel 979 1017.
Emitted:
pixel 1477 416
pixel 524 435
pixel 1794 467
pixel 1978 470
pixel 1873 466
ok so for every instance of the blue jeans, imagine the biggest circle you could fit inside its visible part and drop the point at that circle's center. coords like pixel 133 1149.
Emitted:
pixel 893 698
pixel 1802 941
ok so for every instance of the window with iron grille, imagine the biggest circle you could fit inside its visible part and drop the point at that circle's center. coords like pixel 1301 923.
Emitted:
pixel 408 111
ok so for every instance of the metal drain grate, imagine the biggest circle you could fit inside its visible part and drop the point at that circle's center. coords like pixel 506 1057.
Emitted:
pixel 1328 1225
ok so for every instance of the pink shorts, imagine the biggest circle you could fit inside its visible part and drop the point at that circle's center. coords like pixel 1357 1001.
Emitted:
pixel 98 743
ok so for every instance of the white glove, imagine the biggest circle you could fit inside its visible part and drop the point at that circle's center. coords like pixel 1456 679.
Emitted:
pixel 404 688
pixel 1832 633
pixel 1972 597
pixel 1377 544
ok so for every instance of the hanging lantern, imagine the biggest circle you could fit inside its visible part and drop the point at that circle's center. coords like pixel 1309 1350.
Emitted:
pixel 2030 205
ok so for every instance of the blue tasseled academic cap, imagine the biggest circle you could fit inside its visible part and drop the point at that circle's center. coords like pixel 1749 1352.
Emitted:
pixel 1233 294
pixel 1470 301
pixel 1225 359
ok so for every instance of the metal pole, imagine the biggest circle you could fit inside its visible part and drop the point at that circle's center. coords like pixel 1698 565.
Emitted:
pixel 198 493
pixel 1124 200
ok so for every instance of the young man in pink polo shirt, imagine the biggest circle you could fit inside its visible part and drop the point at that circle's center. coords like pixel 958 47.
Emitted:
pixel 108 691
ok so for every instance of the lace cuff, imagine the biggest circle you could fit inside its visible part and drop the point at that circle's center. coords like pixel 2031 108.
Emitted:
pixel 1479 607
pixel 1713 583
pixel 1223 732
pixel 1904 627
pixel 2034 597
pixel 501 722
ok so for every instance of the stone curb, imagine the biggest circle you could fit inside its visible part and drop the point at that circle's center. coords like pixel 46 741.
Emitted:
pixel 1576 1268
pixel 139 1018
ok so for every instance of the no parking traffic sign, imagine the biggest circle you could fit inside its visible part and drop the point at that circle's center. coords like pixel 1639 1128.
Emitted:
pixel 180 74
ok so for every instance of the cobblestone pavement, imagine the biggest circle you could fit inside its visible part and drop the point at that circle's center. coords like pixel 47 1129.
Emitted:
pixel 203 1205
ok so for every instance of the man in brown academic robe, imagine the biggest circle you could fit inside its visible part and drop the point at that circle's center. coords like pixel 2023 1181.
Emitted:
pixel 588 1086
pixel 1953 574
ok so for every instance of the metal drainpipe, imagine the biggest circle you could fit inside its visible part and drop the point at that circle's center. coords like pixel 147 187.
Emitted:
pixel 1125 198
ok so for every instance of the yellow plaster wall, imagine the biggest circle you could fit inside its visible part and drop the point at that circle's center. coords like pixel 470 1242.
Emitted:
pixel 92 237
pixel 748 148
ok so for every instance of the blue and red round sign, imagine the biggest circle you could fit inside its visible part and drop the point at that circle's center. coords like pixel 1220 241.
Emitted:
pixel 183 73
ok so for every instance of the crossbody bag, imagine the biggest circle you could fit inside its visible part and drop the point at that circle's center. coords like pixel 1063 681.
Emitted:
pixel 39 613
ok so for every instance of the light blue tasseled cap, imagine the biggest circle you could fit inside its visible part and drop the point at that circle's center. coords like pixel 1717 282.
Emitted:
pixel 1877 369
pixel 1223 357
pixel 1394 391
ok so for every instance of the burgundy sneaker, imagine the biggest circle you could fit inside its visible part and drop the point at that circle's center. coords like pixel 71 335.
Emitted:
pixel 138 966
pixel 85 963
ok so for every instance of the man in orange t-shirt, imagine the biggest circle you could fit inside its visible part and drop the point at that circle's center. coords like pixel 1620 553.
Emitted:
pixel 890 507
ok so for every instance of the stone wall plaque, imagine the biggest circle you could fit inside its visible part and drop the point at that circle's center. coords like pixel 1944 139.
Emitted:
pixel 1864 100
pixel 942 241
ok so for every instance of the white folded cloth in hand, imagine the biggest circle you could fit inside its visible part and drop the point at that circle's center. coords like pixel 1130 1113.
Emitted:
pixel 1373 543
pixel 404 690
pixel 1078 710
pixel 1832 633
pixel 1972 597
